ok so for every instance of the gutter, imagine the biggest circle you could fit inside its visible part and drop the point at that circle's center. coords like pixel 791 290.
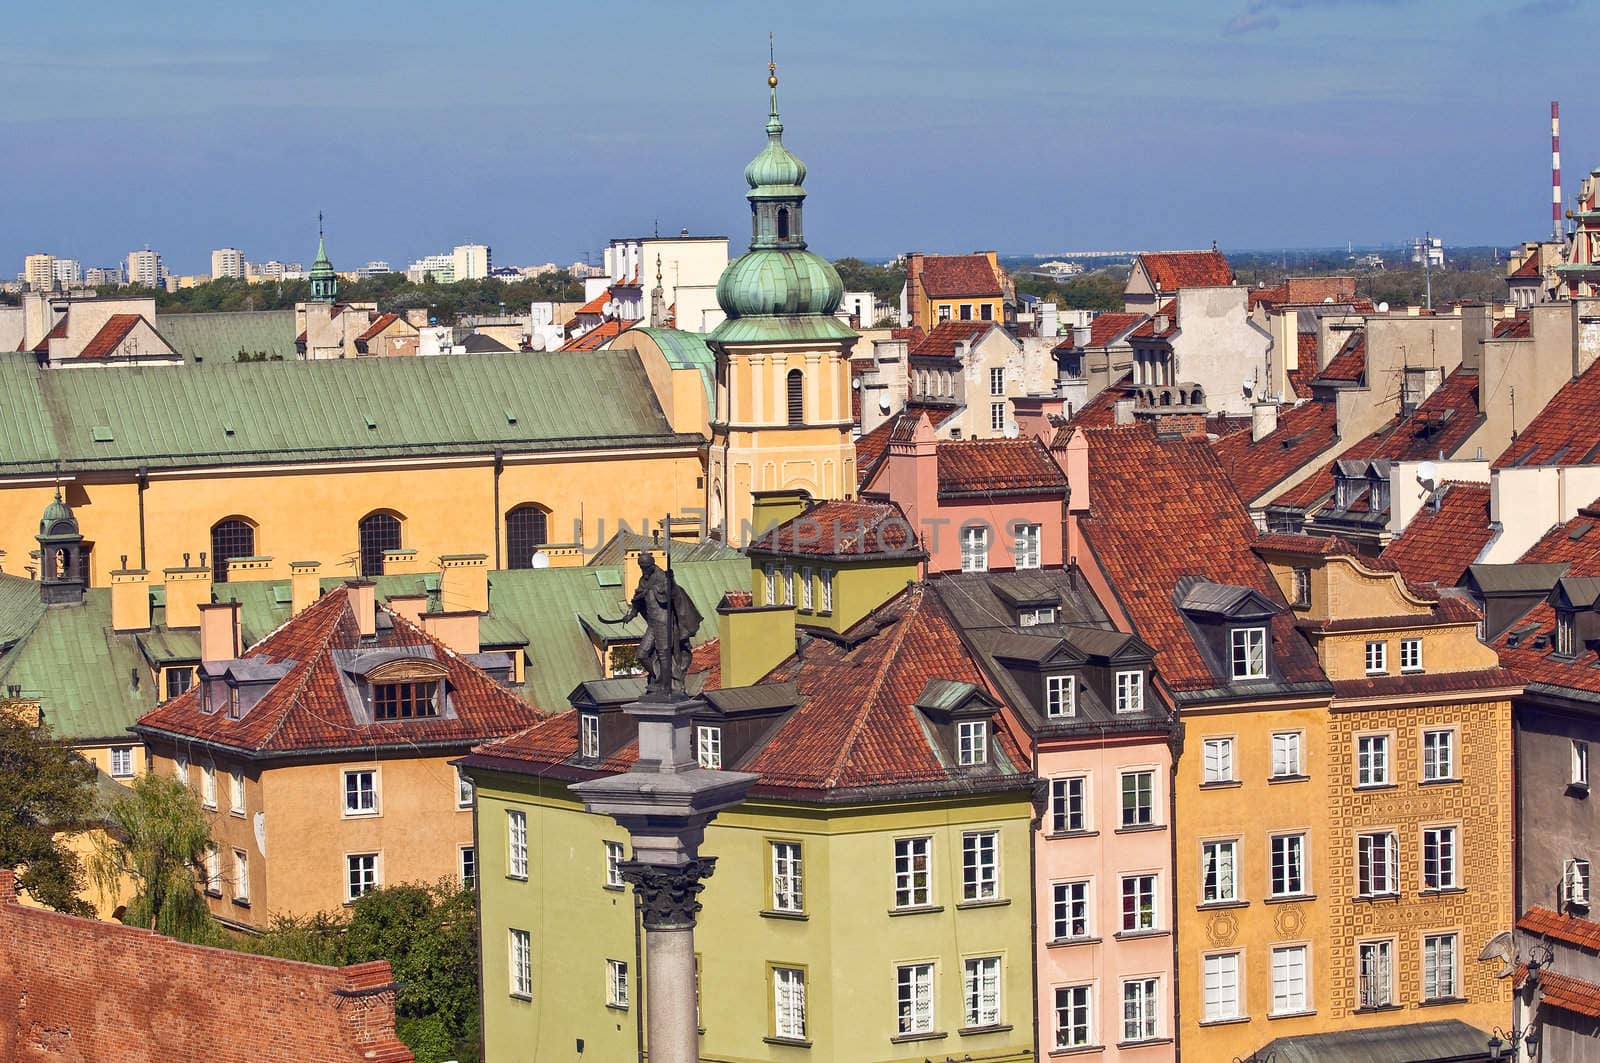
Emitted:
pixel 146 732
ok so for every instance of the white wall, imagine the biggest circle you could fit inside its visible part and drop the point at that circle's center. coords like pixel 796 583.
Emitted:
pixel 1526 503
pixel 1407 496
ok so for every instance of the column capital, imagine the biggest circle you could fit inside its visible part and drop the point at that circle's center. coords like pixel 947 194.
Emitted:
pixel 668 892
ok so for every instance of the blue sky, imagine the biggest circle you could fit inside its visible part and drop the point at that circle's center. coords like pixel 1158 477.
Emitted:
pixel 545 128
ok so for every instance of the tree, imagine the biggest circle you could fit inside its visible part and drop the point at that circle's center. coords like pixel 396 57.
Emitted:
pixel 44 786
pixel 159 837
pixel 884 282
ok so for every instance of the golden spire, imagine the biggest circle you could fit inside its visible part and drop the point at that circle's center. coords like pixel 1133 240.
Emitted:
pixel 772 64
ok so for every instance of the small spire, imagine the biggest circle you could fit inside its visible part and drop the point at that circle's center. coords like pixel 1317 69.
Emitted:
pixel 658 269
pixel 774 125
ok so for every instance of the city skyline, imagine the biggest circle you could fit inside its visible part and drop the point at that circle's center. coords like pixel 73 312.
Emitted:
pixel 1246 124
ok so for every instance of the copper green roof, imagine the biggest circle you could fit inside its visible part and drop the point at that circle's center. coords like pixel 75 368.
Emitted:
pixel 220 337
pixel 225 413
pixel 685 350
pixel 20 608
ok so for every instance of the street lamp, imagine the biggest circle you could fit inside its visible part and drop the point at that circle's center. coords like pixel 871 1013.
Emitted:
pixel 1501 1042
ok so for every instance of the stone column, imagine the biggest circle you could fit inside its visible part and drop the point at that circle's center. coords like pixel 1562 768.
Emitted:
pixel 668 896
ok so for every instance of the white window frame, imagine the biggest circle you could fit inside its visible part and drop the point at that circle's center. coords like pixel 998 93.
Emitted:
pixel 1026 546
pixel 589 735
pixel 825 578
pixel 241 876
pixel 615 853
pixel 1122 794
pixel 121 762
pixel 1130 692
pixel 1410 656
pixel 980 866
pixel 1072 1001
pixel 363 873
pixel 789 1003
pixel 1219 871
pixel 1439 754
pixel 1141 1009
pixel 1288 753
pixel 913 885
pixel 788 877
pixel 800 592
pixel 357 809
pixel 770 570
pixel 1373 765
pixel 208 786
pixel 1060 696
pixel 1291 979
pixel 1580 763
pixel 972 743
pixel 466 792
pixel 788 583
pixel 1441 954
pixel 1070 904
pixel 519 947
pixel 1062 797
pixel 997 417
pixel 997 381
pixel 1249 653
pixel 1377 657
pixel 1221 987
pixel 981 988
pixel 1575 882
pixel 913 993
pixel 708 746
pixel 236 794
pixel 1217 760
pixel 180 768
pixel 1302 588
pixel 1374 973
pixel 467 866
pixel 213 871
pixel 617 984
pixel 975 548
pixel 516 844
pixel 1377 850
pixel 1441 857
pixel 1145 890
pixel 1286 856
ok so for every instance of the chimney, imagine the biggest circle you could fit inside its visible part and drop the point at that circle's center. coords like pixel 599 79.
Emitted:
pixel 409 606
pixel 1122 411
pixel 1263 420
pixel 1477 325
pixel 364 603
pixel 186 589
pixel 457 630
pixel 130 599
pixel 911 475
pixel 304 585
pixel 914 290
pixel 400 562
pixel 219 631
pixel 464 582
pixel 754 639
pixel 1081 335
pixel 1163 321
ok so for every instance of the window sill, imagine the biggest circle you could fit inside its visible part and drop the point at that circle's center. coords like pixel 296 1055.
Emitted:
pixel 773 913
pixel 1378 675
pixel 1135 935
pixel 241 902
pixel 790 1042
pixel 1372 897
pixel 1080 1050
pixel 517 878
pixel 1413 671
pixel 1288 778
pixel 1219 784
pixel 1301 1014
pixel 1063 835
pixel 1144 1042
pixel 1289 898
pixel 1362 788
pixel 907 1038
pixel 123 775
pixel 1212 906
pixel 978 1031
pixel 1580 790
pixel 237 812
pixel 990 902
pixel 1441 891
pixel 1438 782
pixel 1141 828
pixel 607 886
pixel 918 909
pixel 1377 1009
pixel 527 997
pixel 360 815
pixel 1062 943
pixel 215 895
pixel 1439 1002
pixel 617 1007
pixel 208 808
pixel 1235 1021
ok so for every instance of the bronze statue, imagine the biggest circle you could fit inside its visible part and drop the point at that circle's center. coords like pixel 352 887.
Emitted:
pixel 671 620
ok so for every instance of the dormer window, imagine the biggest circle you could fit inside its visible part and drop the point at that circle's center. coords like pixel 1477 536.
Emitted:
pixel 975 548
pixel 403 701
pixel 1348 489
pixel 1302 588
pixel 1060 696
pixel 972 743
pixel 1380 495
pixel 708 746
pixel 1130 691
pixel 589 735
pixel 1042 614
pixel 233 702
pixel 1566 633
pixel 1249 653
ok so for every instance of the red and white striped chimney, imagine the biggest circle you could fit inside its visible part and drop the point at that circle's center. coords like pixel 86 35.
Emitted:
pixel 1555 170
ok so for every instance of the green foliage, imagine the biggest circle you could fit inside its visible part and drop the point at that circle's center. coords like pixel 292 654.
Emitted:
pixel 257 356
pixel 1100 290
pixel 884 282
pixel 159 837
pixel 315 938
pixel 391 291
pixel 1408 287
pixel 43 785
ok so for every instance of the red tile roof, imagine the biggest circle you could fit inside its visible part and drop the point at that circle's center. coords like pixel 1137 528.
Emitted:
pixel 1340 289
pixel 1171 270
pixel 598 336
pixel 1147 329
pixel 1100 411
pixel 1104 329
pixel 1569 994
pixel 1163 510
pixel 856 726
pixel 1528 268
pixel 1567 929
pixel 941 342
pixel 1255 466
pixel 912 334
pixel 1564 431
pixel 59 332
pixel 307 709
pixel 597 305
pixel 1278 293
pixel 383 322
pixel 1577 542
pixel 1519 327
pixel 996 467
pixel 111 334
pixel 1349 366
pixel 871 446
pixel 842 529
pixel 1428 683
pixel 1306 368
pixel 1439 543
pixel 74 989
pixel 944 276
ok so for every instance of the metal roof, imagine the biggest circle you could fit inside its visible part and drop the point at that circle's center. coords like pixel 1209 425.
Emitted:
pixel 1516 578
pixel 1418 1042
pixel 220 337
pixel 91 682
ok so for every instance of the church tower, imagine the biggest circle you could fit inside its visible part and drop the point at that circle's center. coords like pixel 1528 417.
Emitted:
pixel 782 419
pixel 324 281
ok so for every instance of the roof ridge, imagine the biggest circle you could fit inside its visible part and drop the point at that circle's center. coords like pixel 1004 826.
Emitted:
pixel 870 696
pixel 306 668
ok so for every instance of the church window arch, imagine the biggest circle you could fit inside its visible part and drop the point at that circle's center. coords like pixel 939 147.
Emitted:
pixel 797 397
pixel 378 531
pixel 231 537
pixel 527 529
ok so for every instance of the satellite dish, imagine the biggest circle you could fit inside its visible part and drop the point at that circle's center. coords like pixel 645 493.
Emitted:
pixel 1011 430
pixel 1383 308
pixel 1428 474
pixel 536 343
pixel 883 403
pixel 1503 948
pixel 541 559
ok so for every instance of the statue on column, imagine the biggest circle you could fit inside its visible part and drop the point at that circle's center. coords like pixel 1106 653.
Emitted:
pixel 671 620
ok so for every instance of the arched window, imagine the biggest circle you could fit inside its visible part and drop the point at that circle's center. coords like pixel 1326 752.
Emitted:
pixel 230 538
pixel 527 529
pixel 797 397
pixel 783 223
pixel 378 532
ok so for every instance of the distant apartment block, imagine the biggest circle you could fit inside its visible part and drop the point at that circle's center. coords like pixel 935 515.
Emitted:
pixel 442 268
pixel 471 261
pixel 227 262
pixel 39 272
pixel 144 268
pixel 375 268
pixel 68 272
pixel 97 276
pixel 257 272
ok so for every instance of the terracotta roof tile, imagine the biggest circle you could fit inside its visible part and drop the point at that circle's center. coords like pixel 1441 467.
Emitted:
pixel 1577 542
pixel 1564 431
pixel 1104 329
pixel 1255 466
pixel 841 529
pixel 1519 327
pixel 59 332
pixel 1567 929
pixel 1278 293
pixel 941 342
pixel 871 446
pixel 1427 683
pixel 598 336
pixel 1439 543
pixel 1306 367
pixel 1349 366
pixel 912 334
pixel 1163 510
pixel 1147 328
pixel 944 276
pixel 1569 994
pixel 307 709
pixel 1529 267
pixel 383 321
pixel 111 334
pixel 995 467
pixel 1171 270
pixel 1100 411
pixel 597 305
